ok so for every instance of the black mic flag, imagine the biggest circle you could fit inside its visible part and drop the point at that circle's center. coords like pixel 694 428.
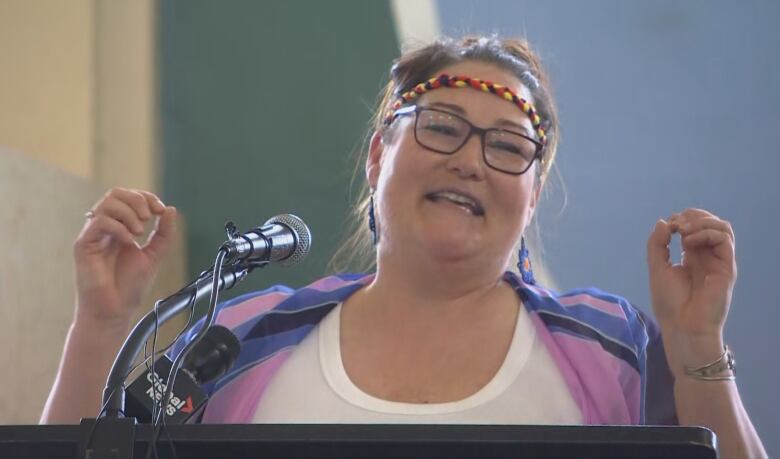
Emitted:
pixel 210 358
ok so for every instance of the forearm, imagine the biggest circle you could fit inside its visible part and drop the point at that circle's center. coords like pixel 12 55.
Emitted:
pixel 718 406
pixel 712 404
pixel 88 354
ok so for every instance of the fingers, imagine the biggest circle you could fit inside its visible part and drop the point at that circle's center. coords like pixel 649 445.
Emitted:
pixel 692 223
pixel 154 202
pixel 161 238
pixel 101 230
pixel 658 246
pixel 700 229
pixel 123 214
pixel 705 238
pixel 132 207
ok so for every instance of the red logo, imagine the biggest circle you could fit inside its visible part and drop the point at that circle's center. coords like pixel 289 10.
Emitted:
pixel 188 407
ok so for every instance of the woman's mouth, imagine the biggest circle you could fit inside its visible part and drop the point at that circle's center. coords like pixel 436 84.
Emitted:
pixel 464 201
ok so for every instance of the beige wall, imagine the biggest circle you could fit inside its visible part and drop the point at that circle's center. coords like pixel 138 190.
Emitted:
pixel 126 94
pixel 77 116
pixel 47 97
pixel 77 87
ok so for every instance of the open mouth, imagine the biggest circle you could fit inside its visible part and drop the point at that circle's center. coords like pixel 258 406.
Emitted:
pixel 466 202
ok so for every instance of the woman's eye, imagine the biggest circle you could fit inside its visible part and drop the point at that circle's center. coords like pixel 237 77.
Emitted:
pixel 507 147
pixel 442 129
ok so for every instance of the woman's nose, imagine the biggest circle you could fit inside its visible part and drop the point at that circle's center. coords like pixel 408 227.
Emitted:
pixel 467 162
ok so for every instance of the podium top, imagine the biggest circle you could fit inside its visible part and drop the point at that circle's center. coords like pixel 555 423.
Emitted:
pixel 303 441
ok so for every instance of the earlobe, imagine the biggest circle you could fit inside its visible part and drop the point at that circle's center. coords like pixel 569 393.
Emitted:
pixel 373 161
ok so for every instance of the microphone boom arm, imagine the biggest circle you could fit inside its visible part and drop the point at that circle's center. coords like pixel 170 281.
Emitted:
pixel 114 394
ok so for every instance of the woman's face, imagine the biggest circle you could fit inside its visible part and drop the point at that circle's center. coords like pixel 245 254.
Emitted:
pixel 453 207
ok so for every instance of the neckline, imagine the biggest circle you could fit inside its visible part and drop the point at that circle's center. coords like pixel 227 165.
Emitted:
pixel 337 378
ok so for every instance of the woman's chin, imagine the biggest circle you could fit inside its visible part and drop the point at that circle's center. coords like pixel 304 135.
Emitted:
pixel 451 247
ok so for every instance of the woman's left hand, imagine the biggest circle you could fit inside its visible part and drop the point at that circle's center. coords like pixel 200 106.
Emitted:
pixel 691 299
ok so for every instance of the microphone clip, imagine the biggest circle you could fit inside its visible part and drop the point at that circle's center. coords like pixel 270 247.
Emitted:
pixel 231 230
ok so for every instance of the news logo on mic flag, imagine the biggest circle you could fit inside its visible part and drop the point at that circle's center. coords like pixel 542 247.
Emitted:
pixel 186 397
pixel 209 359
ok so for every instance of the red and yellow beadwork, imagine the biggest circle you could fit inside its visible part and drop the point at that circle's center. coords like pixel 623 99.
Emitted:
pixel 447 81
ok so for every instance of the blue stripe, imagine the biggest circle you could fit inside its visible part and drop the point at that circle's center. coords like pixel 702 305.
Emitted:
pixel 248 296
pixel 254 352
pixel 305 297
pixel 578 329
pixel 607 325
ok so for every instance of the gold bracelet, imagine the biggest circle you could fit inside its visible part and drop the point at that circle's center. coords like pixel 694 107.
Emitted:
pixel 711 371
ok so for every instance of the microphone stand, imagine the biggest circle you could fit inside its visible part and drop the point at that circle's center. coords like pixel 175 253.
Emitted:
pixel 114 394
pixel 112 435
pixel 233 263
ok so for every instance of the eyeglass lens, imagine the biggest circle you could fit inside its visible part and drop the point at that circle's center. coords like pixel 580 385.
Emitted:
pixel 446 133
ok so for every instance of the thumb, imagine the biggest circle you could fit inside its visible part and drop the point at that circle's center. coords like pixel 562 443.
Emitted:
pixel 658 247
pixel 162 237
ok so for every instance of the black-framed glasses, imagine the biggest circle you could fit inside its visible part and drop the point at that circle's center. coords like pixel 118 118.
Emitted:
pixel 446 133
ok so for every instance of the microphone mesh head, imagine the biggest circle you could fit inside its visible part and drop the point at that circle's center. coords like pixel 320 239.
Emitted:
pixel 302 236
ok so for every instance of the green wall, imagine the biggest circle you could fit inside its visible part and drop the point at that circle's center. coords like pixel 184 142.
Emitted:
pixel 262 106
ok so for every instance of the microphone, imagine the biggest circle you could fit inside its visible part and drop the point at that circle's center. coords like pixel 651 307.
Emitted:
pixel 209 359
pixel 284 238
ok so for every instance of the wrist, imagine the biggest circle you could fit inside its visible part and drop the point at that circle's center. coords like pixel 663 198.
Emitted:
pixel 721 369
pixel 100 326
pixel 686 351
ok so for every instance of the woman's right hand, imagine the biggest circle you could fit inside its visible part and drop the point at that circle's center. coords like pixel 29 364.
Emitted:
pixel 114 271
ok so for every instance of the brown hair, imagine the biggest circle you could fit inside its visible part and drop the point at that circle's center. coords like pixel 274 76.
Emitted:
pixel 415 66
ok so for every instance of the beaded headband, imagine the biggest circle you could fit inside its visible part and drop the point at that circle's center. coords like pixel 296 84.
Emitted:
pixel 445 80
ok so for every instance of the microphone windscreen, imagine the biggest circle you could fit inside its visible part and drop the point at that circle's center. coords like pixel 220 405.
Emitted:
pixel 213 355
pixel 302 236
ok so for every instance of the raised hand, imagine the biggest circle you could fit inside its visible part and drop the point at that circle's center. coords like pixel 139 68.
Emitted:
pixel 691 299
pixel 113 270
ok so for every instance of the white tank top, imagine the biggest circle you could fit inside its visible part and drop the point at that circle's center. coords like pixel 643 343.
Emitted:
pixel 313 387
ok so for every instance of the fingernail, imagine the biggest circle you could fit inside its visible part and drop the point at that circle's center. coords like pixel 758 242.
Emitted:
pixel 685 226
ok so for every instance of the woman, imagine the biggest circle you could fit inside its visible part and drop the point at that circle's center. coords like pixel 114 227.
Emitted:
pixel 463 141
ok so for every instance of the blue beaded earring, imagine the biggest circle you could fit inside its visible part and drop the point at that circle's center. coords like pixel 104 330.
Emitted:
pixel 372 219
pixel 524 264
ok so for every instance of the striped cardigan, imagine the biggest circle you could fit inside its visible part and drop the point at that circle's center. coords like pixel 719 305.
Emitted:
pixel 608 352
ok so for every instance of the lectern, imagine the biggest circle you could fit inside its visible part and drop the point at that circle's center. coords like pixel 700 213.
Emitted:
pixel 370 441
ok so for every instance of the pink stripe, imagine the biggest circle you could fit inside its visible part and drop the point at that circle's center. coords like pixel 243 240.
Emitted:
pixel 235 403
pixel 331 283
pixel 596 303
pixel 539 291
pixel 236 315
pixel 605 380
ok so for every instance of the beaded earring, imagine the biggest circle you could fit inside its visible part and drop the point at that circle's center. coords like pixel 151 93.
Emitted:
pixel 372 219
pixel 524 264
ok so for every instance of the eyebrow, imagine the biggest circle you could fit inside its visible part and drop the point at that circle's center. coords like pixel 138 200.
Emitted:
pixel 502 122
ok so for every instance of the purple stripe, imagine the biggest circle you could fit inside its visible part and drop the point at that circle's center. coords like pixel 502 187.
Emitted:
pixel 539 291
pixel 331 283
pixel 581 298
pixel 235 316
pixel 235 403
pixel 605 380
pixel 610 308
